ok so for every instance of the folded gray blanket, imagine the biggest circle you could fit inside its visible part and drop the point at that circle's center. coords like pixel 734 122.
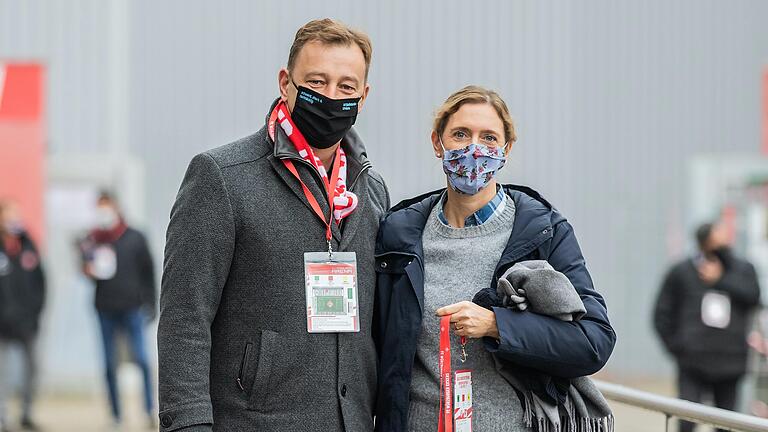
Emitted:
pixel 535 286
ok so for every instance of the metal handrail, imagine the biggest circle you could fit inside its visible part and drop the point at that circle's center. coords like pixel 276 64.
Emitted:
pixel 685 410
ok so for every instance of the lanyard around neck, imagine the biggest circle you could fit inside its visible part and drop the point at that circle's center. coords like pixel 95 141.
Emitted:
pixel 330 187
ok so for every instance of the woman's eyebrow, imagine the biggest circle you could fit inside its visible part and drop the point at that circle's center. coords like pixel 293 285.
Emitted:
pixel 491 131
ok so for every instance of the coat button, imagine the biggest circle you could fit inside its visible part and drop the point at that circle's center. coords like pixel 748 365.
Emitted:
pixel 344 390
pixel 166 420
pixel 383 264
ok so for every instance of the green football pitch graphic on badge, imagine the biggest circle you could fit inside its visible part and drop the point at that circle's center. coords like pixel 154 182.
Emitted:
pixel 330 304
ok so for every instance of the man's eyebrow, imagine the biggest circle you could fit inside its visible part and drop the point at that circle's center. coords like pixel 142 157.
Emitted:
pixel 316 73
pixel 354 79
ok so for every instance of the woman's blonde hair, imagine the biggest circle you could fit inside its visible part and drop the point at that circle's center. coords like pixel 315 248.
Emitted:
pixel 475 94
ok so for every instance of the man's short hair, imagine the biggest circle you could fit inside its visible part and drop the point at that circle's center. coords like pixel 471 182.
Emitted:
pixel 330 32
pixel 702 234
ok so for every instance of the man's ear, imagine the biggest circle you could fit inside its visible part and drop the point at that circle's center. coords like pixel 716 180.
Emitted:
pixel 363 97
pixel 283 82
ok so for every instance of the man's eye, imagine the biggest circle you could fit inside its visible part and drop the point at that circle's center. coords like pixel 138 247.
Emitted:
pixel 315 82
pixel 347 88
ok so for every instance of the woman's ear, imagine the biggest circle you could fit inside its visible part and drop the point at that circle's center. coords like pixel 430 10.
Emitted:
pixel 508 149
pixel 436 146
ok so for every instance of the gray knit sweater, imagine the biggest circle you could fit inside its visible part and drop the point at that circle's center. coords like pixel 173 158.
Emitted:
pixel 458 262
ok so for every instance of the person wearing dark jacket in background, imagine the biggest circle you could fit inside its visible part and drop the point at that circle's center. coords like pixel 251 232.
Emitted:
pixel 702 316
pixel 116 257
pixel 22 295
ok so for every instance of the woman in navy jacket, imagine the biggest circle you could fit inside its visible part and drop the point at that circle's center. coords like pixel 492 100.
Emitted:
pixel 524 339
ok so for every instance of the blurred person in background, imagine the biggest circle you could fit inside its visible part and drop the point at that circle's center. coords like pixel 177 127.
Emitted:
pixel 22 294
pixel 702 316
pixel 117 258
pixel 238 347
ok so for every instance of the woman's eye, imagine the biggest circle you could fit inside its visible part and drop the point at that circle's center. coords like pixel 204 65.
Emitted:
pixel 490 138
pixel 459 135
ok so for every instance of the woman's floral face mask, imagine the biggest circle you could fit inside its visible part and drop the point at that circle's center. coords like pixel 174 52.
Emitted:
pixel 471 168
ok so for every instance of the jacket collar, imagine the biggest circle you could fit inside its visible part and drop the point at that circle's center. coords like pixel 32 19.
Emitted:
pixel 351 143
pixel 402 228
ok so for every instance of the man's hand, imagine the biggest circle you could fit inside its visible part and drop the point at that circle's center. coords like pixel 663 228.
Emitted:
pixel 710 270
pixel 471 320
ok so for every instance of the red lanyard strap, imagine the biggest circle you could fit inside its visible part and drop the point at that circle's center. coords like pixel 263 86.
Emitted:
pixel 445 419
pixel 329 187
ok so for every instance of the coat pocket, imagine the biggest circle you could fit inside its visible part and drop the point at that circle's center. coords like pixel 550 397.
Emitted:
pixel 260 389
pixel 246 360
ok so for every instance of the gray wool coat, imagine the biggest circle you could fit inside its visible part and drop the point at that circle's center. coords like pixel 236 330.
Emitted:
pixel 234 350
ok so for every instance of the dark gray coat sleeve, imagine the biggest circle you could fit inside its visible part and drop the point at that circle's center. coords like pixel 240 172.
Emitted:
pixel 199 247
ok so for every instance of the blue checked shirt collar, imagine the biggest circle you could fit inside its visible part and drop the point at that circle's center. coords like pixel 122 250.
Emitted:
pixel 495 206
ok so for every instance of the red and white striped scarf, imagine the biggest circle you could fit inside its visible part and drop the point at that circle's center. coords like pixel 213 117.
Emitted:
pixel 345 201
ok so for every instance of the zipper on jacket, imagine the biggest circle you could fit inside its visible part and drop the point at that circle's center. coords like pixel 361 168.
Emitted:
pixel 365 168
pixel 366 165
pixel 311 167
pixel 243 362
pixel 316 174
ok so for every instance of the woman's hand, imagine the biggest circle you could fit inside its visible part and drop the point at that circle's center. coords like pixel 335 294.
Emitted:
pixel 471 320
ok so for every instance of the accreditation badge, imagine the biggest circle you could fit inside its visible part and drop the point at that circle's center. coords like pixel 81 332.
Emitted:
pixel 716 309
pixel 331 289
pixel 462 402
pixel 103 265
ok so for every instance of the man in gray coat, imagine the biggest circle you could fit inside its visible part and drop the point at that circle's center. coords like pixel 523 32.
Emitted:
pixel 235 346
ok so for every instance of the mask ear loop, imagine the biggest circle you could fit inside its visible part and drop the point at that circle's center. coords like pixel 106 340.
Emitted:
pixel 504 149
pixel 440 140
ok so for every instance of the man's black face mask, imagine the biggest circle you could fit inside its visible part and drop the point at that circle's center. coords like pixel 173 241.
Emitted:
pixel 323 121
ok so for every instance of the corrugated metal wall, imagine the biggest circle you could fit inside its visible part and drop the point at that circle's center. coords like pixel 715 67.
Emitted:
pixel 611 99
